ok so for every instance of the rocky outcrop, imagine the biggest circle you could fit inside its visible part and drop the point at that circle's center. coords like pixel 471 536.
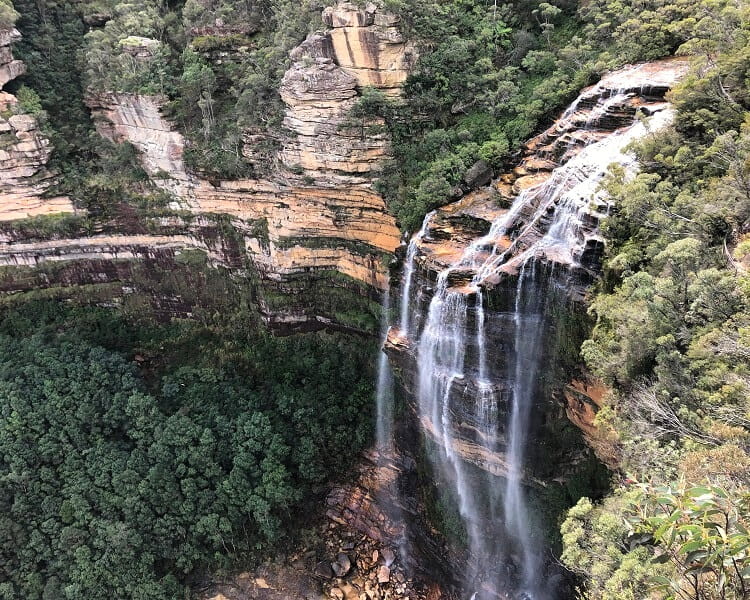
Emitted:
pixel 318 213
pixel 368 44
pixel 355 553
pixel 137 119
pixel 10 68
pixel 584 398
pixel 319 95
pixel 24 150
pixel 363 48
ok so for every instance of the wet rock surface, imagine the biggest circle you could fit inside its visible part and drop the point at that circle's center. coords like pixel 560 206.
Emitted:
pixel 564 268
pixel 495 288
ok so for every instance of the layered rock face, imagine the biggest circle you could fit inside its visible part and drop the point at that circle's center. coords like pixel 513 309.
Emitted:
pixel 368 44
pixel 137 119
pixel 10 68
pixel 24 151
pixel 318 213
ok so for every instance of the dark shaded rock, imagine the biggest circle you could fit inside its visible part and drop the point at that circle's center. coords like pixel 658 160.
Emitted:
pixel 342 565
pixel 323 569
pixel 479 174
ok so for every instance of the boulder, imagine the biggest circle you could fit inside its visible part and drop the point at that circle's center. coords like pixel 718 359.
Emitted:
pixel 323 569
pixel 479 174
pixel 342 565
pixel 384 574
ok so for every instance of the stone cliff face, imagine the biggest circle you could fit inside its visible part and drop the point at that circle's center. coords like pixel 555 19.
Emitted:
pixel 24 151
pixel 318 213
pixel 368 45
pixel 137 119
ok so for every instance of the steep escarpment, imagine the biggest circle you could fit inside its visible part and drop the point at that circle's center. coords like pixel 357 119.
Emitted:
pixel 24 150
pixel 317 213
pixel 507 225
pixel 322 192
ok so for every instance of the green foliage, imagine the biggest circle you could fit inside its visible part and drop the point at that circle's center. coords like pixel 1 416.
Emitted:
pixel 671 320
pixel 596 545
pixel 123 483
pixel 8 14
pixel 30 103
pixel 129 53
pixel 702 533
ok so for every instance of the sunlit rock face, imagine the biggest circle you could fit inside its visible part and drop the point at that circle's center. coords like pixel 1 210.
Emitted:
pixel 369 45
pixel 137 119
pixel 494 287
pixel 317 213
pixel 24 151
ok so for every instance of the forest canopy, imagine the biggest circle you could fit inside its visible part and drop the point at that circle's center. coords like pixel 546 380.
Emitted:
pixel 119 481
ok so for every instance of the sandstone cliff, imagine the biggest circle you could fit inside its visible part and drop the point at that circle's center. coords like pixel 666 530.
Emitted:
pixel 317 213
pixel 24 150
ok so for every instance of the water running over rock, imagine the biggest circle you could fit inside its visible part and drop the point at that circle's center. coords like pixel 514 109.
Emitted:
pixel 479 324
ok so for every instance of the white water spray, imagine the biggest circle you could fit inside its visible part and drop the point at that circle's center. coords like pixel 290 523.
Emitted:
pixel 384 391
pixel 411 254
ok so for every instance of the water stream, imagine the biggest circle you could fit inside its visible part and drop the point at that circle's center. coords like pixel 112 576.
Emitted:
pixel 384 390
pixel 456 359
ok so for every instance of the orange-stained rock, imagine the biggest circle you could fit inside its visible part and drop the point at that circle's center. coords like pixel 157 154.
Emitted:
pixel 368 45
pixel 329 218
pixel 583 399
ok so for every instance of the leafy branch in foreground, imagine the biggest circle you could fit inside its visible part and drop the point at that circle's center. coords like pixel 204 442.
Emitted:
pixel 703 532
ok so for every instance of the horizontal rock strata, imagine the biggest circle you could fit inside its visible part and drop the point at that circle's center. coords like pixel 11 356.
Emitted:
pixel 318 212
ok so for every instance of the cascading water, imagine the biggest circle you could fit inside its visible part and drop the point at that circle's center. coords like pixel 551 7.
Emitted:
pixel 453 357
pixel 411 253
pixel 384 390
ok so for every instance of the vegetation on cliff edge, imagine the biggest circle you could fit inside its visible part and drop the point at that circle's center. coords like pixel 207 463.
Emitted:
pixel 672 318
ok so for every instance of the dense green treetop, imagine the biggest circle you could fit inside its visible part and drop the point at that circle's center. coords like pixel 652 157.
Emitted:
pixel 671 338
pixel 121 484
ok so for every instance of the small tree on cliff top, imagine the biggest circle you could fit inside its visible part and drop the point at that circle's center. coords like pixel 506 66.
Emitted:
pixel 8 14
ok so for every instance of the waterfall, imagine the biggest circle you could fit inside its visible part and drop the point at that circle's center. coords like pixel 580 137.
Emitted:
pixel 384 390
pixel 470 407
pixel 411 254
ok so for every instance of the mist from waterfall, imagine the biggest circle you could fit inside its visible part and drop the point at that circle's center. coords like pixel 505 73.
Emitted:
pixel 494 510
